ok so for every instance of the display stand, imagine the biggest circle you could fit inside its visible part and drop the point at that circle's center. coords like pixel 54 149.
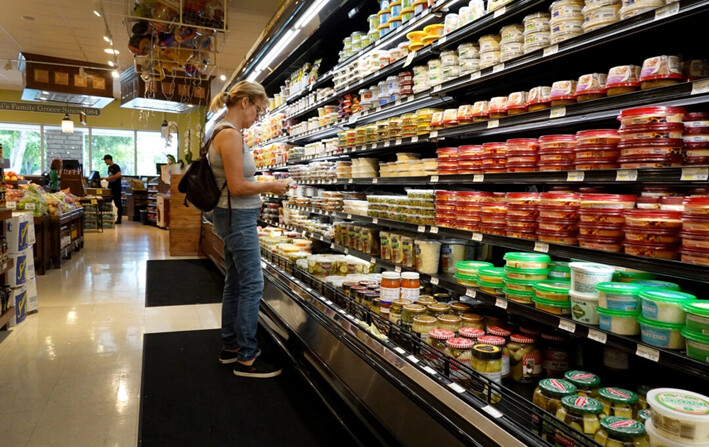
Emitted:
pixel 6 316
pixel 185 223
pixel 66 235
pixel 42 247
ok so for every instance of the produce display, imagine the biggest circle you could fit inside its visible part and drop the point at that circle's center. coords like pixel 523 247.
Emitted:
pixel 31 197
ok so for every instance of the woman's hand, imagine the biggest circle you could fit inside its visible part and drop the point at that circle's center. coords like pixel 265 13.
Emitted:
pixel 279 187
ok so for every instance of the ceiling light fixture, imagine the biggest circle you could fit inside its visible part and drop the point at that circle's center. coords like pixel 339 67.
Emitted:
pixel 67 124
pixel 310 13
pixel 222 77
pixel 106 38
pixel 277 49
pixel 111 64
pixel 111 51
pixel 98 8
pixel 115 74
pixel 98 14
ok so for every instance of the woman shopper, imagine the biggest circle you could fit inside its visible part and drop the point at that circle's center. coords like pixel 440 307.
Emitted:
pixel 233 163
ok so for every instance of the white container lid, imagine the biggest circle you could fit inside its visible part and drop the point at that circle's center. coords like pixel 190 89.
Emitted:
pixel 592 268
pixel 658 439
pixel 410 275
pixel 390 275
pixel 680 404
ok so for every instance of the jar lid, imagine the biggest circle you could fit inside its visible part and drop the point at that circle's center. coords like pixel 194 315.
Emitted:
pixel 487 352
pixel 438 307
pixel 498 331
pixel 549 286
pixel 619 288
pixel 441 334
pixel 554 337
pixel 518 338
pixel 582 404
pixel 491 340
pixel 471 332
pixel 415 308
pixel 582 378
pixel 449 319
pixel 459 307
pixel 472 318
pixel 459 343
pixel 623 427
pixel 618 395
pixel 667 296
pixel 425 319
pixel 644 415
pixel 526 257
pixel 496 272
pixel 557 387
pixel 530 331
pixel 390 275
pixel 409 275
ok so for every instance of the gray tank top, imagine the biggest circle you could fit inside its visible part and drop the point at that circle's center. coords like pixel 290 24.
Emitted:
pixel 249 171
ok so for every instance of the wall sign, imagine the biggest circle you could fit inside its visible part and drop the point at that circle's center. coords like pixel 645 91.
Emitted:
pixel 46 108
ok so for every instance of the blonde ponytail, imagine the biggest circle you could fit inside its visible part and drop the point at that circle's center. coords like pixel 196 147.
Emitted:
pixel 243 89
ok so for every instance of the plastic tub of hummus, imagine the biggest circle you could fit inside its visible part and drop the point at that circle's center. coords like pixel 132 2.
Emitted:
pixel 680 416
pixel 591 86
pixel 664 305
pixel 600 16
pixel 619 296
pixel 623 79
pixel 584 308
pixel 586 275
pixel 619 322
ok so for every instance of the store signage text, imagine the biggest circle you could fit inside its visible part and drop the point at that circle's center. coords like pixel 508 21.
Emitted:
pixel 46 108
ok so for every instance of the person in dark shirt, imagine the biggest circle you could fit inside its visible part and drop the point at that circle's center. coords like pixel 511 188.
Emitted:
pixel 114 184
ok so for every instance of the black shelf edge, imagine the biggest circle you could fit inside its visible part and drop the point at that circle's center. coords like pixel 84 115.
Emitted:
pixel 399 107
pixel 379 147
pixel 642 23
pixel 306 91
pixel 328 131
pixel 314 107
pixel 281 139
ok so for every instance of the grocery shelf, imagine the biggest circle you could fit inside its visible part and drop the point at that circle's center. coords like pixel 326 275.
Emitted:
pixel 279 139
pixel 314 86
pixel 328 131
pixel 6 265
pixel 314 107
pixel 614 34
pixel 372 148
pixel 400 106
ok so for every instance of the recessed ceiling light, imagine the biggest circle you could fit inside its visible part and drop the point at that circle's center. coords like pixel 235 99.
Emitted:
pixel 114 73
pixel 222 77
pixel 107 39
pixel 110 63
pixel 28 18
pixel 45 92
pixel 111 51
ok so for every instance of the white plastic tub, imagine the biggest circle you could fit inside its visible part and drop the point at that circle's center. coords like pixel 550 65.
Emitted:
pixel 584 308
pixel 679 416
pixel 585 276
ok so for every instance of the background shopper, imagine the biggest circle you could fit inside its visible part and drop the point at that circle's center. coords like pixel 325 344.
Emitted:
pixel 232 162
pixel 114 183
pixel 54 169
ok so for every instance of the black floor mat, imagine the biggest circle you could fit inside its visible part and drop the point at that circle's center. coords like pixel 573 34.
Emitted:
pixel 188 399
pixel 181 282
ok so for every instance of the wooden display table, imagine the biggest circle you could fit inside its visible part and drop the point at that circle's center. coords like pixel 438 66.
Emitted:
pixel 66 234
pixel 185 223
pixel 42 248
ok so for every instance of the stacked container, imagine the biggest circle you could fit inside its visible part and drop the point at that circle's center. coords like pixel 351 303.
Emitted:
pixel 651 137
pixel 558 218
pixel 20 237
pixel 596 149
pixel 517 288
pixel 602 217
pixel 493 214
pixel 450 68
pixel 522 214
pixel 489 50
pixel 511 42
pixel 556 152
pixel 494 157
pixel 695 231
pixel 653 233
pixel 469 209
pixel 470 159
pixel 522 154
pixel 599 13
pixel 468 58
pixel 566 20
pixel 536 32
pixel 446 208
pixel 447 160
pixel 696 138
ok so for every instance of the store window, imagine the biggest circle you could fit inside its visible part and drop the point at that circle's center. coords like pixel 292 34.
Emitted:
pixel 65 146
pixel 22 145
pixel 118 143
pixel 152 148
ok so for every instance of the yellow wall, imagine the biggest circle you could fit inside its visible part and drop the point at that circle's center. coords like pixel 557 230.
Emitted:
pixel 113 117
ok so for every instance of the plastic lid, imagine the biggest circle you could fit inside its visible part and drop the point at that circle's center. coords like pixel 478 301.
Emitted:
pixel 559 266
pixel 499 331
pixel 618 395
pixel 526 257
pixel 441 334
pixel 390 275
pixel 471 332
pixel 527 271
pixel 596 133
pixel 519 293
pixel 619 288
pixel 660 324
pixel 557 138
pixel 581 404
pixel 518 338
pixel 493 340
pixel 496 272
pixel 520 282
pixel 582 378
pixel 654 127
pixel 618 313
pixel 557 387
pixel 607 197
pixel 653 283
pixel 549 286
pixel 459 343
pixel 552 303
pixel 700 308
pixel 409 275
pixel 651 111
pixel 657 142
pixel 623 427
pixel 666 296
pixel 487 351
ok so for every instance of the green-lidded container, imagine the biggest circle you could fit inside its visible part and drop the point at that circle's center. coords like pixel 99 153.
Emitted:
pixel 518 296
pixel 662 335
pixel 467 280
pixel 586 383
pixel 655 284
pixel 697 317
pixel 491 287
pixel 665 305
pixel 619 402
pixel 644 415
pixel 628 275
pixel 470 268
pixel 552 290
pixel 697 345
pixel 620 322
pixel 553 307
pixel 559 270
pixel 618 295
pixel 491 275
pixel 620 431
pixel 527 261
pixel 522 285
pixel 527 274
pixel 580 412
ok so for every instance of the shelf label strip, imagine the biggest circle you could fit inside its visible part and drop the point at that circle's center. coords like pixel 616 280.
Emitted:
pixel 648 353
pixel 429 370
pixel 501 303
pixel 600 337
pixel 575 176
pixel 492 411
pixel 399 350
pixel 470 292
pixel 695 174
pixel 457 388
pixel 477 237
pixel 667 11
pixel 568 326
pixel 412 358
pixel 478 178
pixel 541 247
pixel 434 281
pixel 626 175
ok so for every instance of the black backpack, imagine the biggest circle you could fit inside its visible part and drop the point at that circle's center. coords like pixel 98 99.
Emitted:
pixel 198 183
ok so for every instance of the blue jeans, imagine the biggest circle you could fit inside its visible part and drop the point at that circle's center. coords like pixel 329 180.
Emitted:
pixel 243 286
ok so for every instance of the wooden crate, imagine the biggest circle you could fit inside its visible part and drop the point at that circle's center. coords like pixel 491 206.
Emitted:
pixel 185 223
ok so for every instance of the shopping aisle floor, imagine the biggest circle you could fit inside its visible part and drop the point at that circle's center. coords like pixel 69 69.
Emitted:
pixel 70 374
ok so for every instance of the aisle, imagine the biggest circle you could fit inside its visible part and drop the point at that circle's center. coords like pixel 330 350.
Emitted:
pixel 70 375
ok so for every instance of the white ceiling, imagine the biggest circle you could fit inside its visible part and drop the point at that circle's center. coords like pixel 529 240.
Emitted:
pixel 69 29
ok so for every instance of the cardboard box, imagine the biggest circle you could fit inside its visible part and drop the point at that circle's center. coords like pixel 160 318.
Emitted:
pixel 22 270
pixel 32 301
pixel 19 231
pixel 19 297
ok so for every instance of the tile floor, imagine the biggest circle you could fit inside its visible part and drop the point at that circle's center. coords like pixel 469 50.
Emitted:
pixel 70 374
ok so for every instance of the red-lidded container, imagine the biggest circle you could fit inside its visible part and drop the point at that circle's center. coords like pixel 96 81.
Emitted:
pixel 473 196
pixel 608 163
pixel 597 137
pixel 558 237
pixel 653 219
pixel 652 236
pixel 700 257
pixel 549 167
pixel 447 171
pixel 521 234
pixel 547 142
pixel 558 225
pixel 447 223
pixel 557 158
pixel 494 149
pixel 610 201
pixel 609 231
pixel 494 165
pixel 700 118
pixel 523 160
pixel 470 151
pixel 559 199
pixel 446 153
pixel 651 115
pixel 651 148
pixel 648 203
pixel 651 131
pixel 611 244
pixel 657 191
pixel 522 198
pixel 641 162
pixel 523 225
pixel 593 152
pixel 697 207
pixel 659 251
pixel 451 209
pixel 600 216
pixel 672 203
pixel 522 212
pixel 695 240
pixel 499 230
pixel 568 213
pixel 495 221
pixel 469 164
pixel 696 161
pixel 522 167
pixel 539 98
pixel 522 145
pixel 469 209
pixel 446 196
pixel 481 110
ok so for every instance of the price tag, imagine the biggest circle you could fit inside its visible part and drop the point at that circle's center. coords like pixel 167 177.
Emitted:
pixel 575 176
pixel 434 179
pixel 375 180
pixel 626 175
pixel 492 124
pixel 375 221
pixel 94 201
pixel 304 233
pixel 422 229
pixel 429 370
pixel 347 251
pixel 387 143
pixel 434 281
pixel 492 412
pixel 470 292
pixel 436 88
pixel 568 326
pixel 700 87
pixel 397 269
pixel 457 388
pixel 433 134
pixel 398 141
pixel 412 359
pixel 328 302
pixel 475 76
pixel 477 237
pixel 550 50
pixel 667 11
pixel 409 59
pixel 377 73
pixel 598 336
pixel 434 230
pixel 557 112
pixel 399 350
pixel 414 139
pixel 695 174
pixel 498 68
pixel 409 98
pixel 373 261
pixel 29 206
pixel 349 216
pixel 397 102
pixel 378 109
pixel 332 246
pixel 442 40
pixel 350 181
pixel 499 12
pixel 478 178
pixel 501 303
pixel 648 353
pixel 374 145
pixel 541 246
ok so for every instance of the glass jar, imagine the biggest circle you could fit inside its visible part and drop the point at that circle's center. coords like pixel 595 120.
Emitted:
pixel 617 431
pixel 460 349
pixel 500 343
pixel 548 397
pixel 426 300
pixel 435 310
pixel 408 312
pixel 395 310
pixel 390 287
pixel 439 337
pixel 422 325
pixel 586 383
pixel 487 361
pixel 458 308
pixel 580 413
pixel 449 322
pixel 410 286
pixel 473 320
pixel 619 402
pixel 525 359
pixel 555 354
